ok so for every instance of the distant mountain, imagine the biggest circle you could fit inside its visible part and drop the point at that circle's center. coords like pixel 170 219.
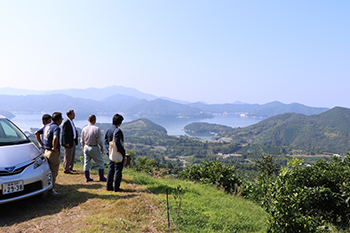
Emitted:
pixel 91 93
pixel 88 93
pixel 38 104
pixel 256 110
pixel 132 102
pixel 103 93
pixel 327 131
pixel 121 102
pixel 238 102
pixel 174 100
pixel 162 108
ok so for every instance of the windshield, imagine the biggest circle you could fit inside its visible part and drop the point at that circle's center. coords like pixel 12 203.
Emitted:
pixel 10 134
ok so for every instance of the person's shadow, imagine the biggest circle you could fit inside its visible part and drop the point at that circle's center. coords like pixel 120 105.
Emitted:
pixel 38 206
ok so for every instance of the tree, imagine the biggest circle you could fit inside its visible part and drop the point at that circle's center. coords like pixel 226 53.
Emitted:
pixel 214 173
pixel 267 166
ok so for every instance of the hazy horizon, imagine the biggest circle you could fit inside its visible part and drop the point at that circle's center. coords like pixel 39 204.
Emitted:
pixel 11 90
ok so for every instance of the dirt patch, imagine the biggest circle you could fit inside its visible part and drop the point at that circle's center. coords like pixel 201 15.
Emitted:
pixel 71 210
pixel 65 221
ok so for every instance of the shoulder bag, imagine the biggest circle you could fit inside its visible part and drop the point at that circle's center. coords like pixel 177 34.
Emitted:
pixel 114 154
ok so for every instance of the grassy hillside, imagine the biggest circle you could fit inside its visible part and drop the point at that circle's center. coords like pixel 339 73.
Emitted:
pixel 327 131
pixel 88 207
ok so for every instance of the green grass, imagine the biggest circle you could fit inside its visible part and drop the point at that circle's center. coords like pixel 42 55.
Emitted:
pixel 88 207
pixel 204 208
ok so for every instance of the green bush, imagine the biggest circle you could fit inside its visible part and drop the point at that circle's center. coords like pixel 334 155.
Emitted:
pixel 288 203
pixel 304 199
pixel 144 164
pixel 259 191
pixel 213 173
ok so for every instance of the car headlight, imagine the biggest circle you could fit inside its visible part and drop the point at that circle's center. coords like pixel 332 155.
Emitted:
pixel 40 160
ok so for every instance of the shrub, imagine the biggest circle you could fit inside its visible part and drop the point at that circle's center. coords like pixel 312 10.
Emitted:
pixel 144 164
pixel 302 199
pixel 213 173
pixel 259 191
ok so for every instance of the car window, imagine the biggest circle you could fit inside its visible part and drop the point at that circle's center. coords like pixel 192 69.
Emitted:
pixel 10 134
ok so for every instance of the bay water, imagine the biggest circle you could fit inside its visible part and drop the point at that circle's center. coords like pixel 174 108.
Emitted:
pixel 173 126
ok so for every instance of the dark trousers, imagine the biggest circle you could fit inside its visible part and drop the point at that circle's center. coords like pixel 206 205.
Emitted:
pixel 69 156
pixel 114 174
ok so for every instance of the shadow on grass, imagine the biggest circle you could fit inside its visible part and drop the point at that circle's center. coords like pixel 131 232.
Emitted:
pixel 71 196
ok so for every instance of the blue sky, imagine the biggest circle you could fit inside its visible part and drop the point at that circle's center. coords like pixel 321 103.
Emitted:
pixel 195 50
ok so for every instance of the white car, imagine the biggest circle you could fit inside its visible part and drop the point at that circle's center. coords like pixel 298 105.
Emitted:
pixel 24 171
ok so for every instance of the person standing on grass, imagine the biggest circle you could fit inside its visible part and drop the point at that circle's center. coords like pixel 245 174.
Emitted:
pixel 91 142
pixel 51 142
pixel 46 119
pixel 115 169
pixel 69 142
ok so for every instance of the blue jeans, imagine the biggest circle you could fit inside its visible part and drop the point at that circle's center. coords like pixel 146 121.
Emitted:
pixel 114 174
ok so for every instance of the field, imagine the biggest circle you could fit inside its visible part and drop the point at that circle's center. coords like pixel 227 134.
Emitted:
pixel 88 207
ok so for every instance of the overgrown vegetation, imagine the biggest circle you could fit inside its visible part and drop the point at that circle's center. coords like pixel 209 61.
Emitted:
pixel 88 207
pixel 298 198
pixel 213 173
pixel 305 198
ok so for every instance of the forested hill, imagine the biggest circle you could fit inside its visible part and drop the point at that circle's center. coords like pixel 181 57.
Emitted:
pixel 143 127
pixel 140 127
pixel 203 127
pixel 256 110
pixel 328 131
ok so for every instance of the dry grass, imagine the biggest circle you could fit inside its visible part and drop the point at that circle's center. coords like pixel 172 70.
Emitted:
pixel 84 207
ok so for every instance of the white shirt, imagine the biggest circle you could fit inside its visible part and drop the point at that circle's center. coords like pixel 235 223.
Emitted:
pixel 74 130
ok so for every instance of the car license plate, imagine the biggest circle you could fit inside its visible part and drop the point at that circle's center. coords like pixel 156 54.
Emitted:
pixel 12 187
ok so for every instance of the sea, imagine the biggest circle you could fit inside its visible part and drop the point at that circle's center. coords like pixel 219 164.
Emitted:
pixel 173 126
